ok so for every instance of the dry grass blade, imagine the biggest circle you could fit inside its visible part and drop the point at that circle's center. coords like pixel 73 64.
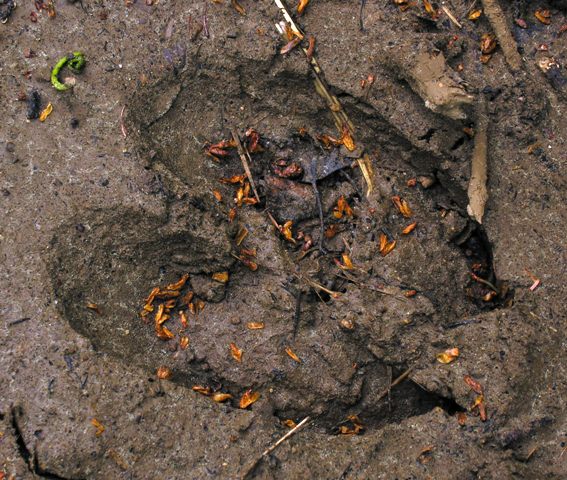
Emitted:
pixel 477 191
pixel 243 154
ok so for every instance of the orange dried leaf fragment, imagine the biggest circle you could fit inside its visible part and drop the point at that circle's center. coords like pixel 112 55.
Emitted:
pixel 346 139
pixel 217 195
pixel 99 427
pixel 410 293
pixel 255 325
pixel 301 6
pixel 429 9
pixel 179 284
pixel 461 419
pixel 479 403
pixel 342 209
pixel 488 43
pixel 221 277
pixel 292 355
pixel 232 214
pixel 288 47
pixel 385 246
pixel 239 8
pixel 475 15
pixel 234 179
pixel 248 398
pixel 402 206
pixel 202 390
pixel 164 333
pixel 543 15
pixel 448 356
pixel 46 112
pixel 471 382
pixel 235 352
pixel 184 342
pixel 94 307
pixel 289 423
pixel 354 426
pixel 410 228
pixel 347 262
pixel 241 235
pixel 286 231
pixel 164 373
pixel 221 397
pixel 152 295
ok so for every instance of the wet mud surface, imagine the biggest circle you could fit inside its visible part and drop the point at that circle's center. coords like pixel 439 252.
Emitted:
pixel 114 194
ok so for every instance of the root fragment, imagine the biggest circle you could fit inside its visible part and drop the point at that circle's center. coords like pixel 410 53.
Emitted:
pixel 497 20
pixel 478 192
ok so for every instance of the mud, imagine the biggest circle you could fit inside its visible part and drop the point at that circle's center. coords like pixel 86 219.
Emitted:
pixel 113 195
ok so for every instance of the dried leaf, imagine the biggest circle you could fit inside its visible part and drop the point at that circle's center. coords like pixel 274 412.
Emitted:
pixel 471 382
pixel 355 429
pixel 159 314
pixel 236 352
pixel 331 231
pixel 292 355
pixel 184 342
pixel 402 206
pixel 385 246
pixel 475 15
pixel 232 214
pixel 342 208
pixel 241 235
pixel 163 373
pixel 234 179
pixel 479 403
pixel 152 296
pixel 286 231
pixel 462 418
pixel 253 266
pixel 248 398
pixel 221 397
pixel 165 294
pixel 99 427
pixel 410 293
pixel 46 112
pixel 221 277
pixel 289 423
pixel 488 43
pixel 202 390
pixel 94 307
pixel 544 16
pixel 301 6
pixel 179 284
pixel 217 195
pixel 347 262
pixel 346 139
pixel 448 356
pixel 410 228
pixel 164 333
pixel 255 325
pixel 290 46
pixel 239 8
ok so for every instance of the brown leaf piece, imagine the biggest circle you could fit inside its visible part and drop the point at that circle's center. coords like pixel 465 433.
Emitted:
pixel 248 398
pixel 292 355
pixel 163 373
pixel 448 356
pixel 236 352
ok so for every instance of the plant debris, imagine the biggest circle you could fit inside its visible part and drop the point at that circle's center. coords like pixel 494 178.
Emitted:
pixel 75 62
pixel 248 398
pixel 352 426
pixel 448 356
pixel 99 427
pixel 46 112
pixel 236 352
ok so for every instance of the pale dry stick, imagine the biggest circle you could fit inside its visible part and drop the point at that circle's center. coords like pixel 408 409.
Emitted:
pixel 451 16
pixel 497 20
pixel 478 192
pixel 122 126
pixel 320 86
pixel 400 379
pixel 271 448
pixel 242 153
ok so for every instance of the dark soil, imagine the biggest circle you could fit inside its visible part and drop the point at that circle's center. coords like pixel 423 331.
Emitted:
pixel 98 212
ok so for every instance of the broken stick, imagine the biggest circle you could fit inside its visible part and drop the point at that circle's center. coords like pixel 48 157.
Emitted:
pixel 478 192
pixel 497 20
pixel 271 448
pixel 242 152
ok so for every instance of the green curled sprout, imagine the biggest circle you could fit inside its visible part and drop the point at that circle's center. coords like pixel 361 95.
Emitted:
pixel 75 62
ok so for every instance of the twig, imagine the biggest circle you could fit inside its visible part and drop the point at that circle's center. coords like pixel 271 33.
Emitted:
pixel 478 192
pixel 451 16
pixel 17 322
pixel 496 18
pixel 242 152
pixel 270 449
pixel 398 380
pixel 122 126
